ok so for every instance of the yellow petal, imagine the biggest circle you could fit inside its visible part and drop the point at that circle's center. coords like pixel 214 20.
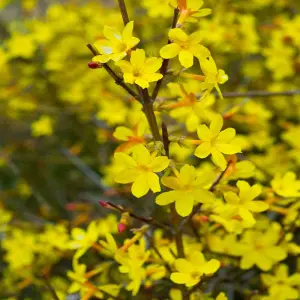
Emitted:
pixel 141 155
pixel 127 176
pixel 211 267
pixel 231 198
pixel 144 84
pixel 140 186
pixel 166 198
pixel 179 278
pixel 257 206
pixel 152 64
pixel 112 34
pixel 187 174
pixel 169 51
pixel 125 66
pixel 178 35
pixel 184 206
pixel 226 136
pixel 228 148
pixel 127 32
pixel 137 58
pixel 122 133
pixel 153 182
pixel 171 182
pixel 218 159
pixel 124 160
pixel 186 58
pixel 203 150
pixel 216 125
pixel 204 133
pixel 160 163
pixel 183 266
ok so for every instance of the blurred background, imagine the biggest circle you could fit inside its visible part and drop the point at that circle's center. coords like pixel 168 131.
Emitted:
pixel 57 116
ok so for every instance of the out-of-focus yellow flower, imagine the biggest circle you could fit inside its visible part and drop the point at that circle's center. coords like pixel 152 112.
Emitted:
pixel 116 45
pixel 190 272
pixel 282 282
pixel 213 76
pixel 185 46
pixel 140 70
pixel 286 185
pixel 140 168
pixel 261 248
pixel 215 142
pixel 188 189
pixel 43 126
pixel 190 11
pixel 243 203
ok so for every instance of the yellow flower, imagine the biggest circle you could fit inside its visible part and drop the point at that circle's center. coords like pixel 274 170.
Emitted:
pixel 221 296
pixel 191 271
pixel 261 249
pixel 140 70
pixel 243 203
pixel 282 282
pixel 216 142
pixel 213 76
pixel 185 46
pixel 140 168
pixel 116 45
pixel 131 137
pixel 188 189
pixel 83 239
pixel 286 185
pixel 190 10
pixel 43 126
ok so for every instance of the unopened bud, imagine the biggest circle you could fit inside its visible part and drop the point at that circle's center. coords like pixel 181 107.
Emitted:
pixel 122 227
pixel 94 65
pixel 103 203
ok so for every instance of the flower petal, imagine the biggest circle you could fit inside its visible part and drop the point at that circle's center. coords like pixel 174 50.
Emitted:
pixel 137 58
pixel 127 32
pixel 169 51
pixel 140 186
pixel 232 198
pixel 203 150
pixel 216 125
pixel 112 34
pixel 186 58
pixel 171 182
pixel 179 278
pixel 125 66
pixel 211 266
pixel 226 136
pixel 187 174
pixel 204 133
pixel 124 160
pixel 166 198
pixel 184 205
pixel 152 64
pixel 153 182
pixel 178 35
pixel 218 159
pixel 183 266
pixel 160 163
pixel 228 148
pixel 141 155
pixel 257 206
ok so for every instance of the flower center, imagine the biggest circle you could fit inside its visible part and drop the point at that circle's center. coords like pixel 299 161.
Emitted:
pixel 122 47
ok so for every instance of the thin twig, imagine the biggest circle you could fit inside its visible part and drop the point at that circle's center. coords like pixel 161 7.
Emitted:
pixel 165 138
pixel 50 288
pixel 118 80
pixel 249 94
pixel 149 221
pixel 198 206
pixel 164 67
pixel 149 112
pixel 123 11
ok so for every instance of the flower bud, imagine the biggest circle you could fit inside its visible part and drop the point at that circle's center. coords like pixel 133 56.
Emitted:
pixel 94 65
pixel 103 203
pixel 122 227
